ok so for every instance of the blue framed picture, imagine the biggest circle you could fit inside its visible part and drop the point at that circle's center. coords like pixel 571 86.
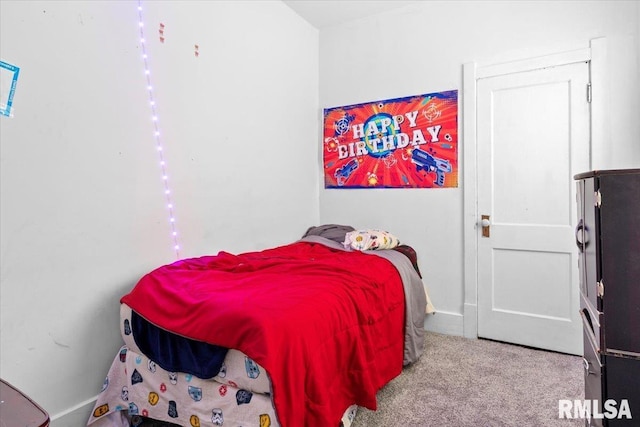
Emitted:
pixel 8 80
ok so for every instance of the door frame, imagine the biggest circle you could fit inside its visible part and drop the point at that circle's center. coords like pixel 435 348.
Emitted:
pixel 473 71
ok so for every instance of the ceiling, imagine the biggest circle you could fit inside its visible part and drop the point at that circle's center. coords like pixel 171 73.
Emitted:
pixel 326 13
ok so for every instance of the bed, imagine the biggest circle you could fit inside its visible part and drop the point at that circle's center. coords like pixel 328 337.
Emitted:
pixel 297 335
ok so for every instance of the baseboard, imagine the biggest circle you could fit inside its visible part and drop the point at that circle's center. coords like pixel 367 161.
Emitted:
pixel 470 321
pixel 443 322
pixel 76 416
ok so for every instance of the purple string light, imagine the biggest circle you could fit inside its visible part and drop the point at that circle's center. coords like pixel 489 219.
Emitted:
pixel 156 134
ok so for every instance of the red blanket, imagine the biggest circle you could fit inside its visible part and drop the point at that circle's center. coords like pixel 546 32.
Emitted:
pixel 327 325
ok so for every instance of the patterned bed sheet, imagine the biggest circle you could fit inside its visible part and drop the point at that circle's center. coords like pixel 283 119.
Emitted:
pixel 136 386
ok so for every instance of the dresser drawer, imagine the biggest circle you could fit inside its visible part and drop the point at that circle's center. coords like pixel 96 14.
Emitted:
pixel 622 381
pixel 592 370
pixel 592 319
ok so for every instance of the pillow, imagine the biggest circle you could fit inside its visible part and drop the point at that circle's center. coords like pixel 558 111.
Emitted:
pixel 335 232
pixel 369 240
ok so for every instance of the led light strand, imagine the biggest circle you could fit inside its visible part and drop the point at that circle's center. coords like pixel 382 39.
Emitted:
pixel 156 134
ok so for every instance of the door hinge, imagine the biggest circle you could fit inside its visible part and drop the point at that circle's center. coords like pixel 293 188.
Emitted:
pixel 598 198
pixel 600 286
pixel 589 93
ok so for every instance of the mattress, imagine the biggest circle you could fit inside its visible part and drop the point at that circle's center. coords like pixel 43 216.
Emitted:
pixel 136 384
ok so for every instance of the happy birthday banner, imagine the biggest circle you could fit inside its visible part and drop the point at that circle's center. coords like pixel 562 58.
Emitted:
pixel 407 142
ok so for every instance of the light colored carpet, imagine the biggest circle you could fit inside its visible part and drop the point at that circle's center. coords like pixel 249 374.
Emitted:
pixel 460 382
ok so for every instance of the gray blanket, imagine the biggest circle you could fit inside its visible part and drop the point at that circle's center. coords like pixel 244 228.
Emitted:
pixel 416 299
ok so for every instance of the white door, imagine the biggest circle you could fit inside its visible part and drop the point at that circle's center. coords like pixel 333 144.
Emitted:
pixel 533 132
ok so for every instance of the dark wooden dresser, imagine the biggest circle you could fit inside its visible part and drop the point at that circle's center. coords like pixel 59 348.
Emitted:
pixel 608 240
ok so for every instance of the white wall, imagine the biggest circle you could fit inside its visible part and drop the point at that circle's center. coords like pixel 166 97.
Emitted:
pixel 420 49
pixel 83 211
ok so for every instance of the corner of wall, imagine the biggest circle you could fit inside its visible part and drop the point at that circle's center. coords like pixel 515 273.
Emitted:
pixel 77 415
pixel 443 322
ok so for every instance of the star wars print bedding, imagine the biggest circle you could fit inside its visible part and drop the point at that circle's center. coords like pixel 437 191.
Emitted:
pixel 137 385
pixel 302 332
